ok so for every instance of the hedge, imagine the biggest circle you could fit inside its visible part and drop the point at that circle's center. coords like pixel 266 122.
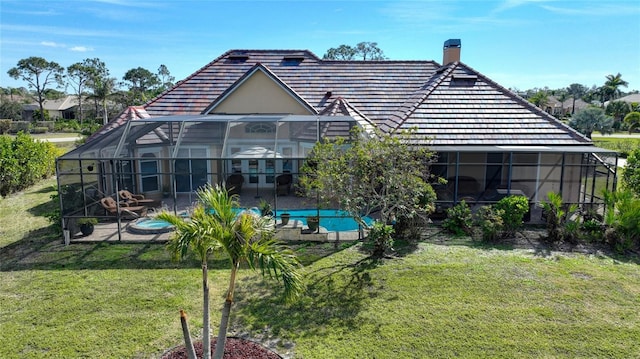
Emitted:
pixel 24 161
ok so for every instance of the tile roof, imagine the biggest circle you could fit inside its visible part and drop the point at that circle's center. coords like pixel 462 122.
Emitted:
pixel 462 107
pixel 452 104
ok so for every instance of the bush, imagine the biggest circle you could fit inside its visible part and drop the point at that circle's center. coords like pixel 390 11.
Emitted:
pixel 561 222
pixel 631 172
pixel 489 220
pixel 410 228
pixel 20 126
pixel 40 130
pixel 623 219
pixel 5 125
pixel 459 220
pixel 50 125
pixel 514 208
pixel 380 238
pixel 24 161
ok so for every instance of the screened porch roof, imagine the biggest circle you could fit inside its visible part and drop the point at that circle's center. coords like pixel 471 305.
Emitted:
pixel 217 131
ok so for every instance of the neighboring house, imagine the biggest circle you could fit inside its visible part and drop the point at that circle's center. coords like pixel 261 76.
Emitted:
pixel 633 98
pixel 259 112
pixel 62 108
pixel 562 109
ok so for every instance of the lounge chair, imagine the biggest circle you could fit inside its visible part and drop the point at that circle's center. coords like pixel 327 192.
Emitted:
pixel 111 207
pixel 283 184
pixel 135 199
pixel 233 184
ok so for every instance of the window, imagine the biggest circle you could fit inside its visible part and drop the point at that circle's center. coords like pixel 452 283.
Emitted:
pixel 260 127
pixel 149 167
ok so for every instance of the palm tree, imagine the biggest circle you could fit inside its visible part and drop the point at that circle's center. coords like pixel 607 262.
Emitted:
pixel 576 91
pixel 102 91
pixel 612 86
pixel 246 238
pixel 633 120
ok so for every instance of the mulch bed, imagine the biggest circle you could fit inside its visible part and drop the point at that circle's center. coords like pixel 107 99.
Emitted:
pixel 234 348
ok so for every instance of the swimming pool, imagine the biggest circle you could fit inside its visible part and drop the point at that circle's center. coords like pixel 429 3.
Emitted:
pixel 149 226
pixel 333 220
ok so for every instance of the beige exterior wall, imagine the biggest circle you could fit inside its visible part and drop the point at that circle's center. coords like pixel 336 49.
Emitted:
pixel 260 94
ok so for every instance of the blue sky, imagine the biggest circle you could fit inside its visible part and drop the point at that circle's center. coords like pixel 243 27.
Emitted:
pixel 518 43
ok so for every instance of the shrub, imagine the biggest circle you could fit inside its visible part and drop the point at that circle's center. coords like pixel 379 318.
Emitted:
pixel 514 208
pixel 623 218
pixel 561 222
pixel 592 229
pixel 40 130
pixel 489 220
pixel 380 238
pixel 459 219
pixel 18 126
pixel 5 125
pixel 24 161
pixel 410 228
pixel 631 172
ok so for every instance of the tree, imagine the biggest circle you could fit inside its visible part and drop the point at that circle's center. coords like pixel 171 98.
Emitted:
pixel 592 119
pixel 632 119
pixel 576 91
pixel 102 91
pixel 38 73
pixel 562 97
pixel 246 238
pixel 617 110
pixel 631 172
pixel 10 110
pixel 364 50
pixel 540 99
pixel 166 80
pixel 81 76
pixel 611 88
pixel 380 173
pixel 140 82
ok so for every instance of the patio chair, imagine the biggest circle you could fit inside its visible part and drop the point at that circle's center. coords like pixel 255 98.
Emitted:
pixel 233 184
pixel 283 184
pixel 135 199
pixel 110 205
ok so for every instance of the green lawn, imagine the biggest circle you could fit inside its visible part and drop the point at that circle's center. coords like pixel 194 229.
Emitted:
pixel 438 300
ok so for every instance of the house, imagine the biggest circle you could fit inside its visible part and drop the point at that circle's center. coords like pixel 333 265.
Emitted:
pixel 62 108
pixel 258 113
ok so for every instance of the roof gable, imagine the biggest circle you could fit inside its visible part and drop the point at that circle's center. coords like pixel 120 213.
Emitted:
pixel 260 91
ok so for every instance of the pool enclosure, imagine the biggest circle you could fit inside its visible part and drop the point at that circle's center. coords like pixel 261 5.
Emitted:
pixel 166 159
pixel 259 157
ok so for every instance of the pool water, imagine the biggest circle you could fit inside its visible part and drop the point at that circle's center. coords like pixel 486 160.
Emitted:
pixel 332 219
pixel 150 226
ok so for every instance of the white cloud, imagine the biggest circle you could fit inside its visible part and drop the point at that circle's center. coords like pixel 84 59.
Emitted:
pixel 51 44
pixel 81 49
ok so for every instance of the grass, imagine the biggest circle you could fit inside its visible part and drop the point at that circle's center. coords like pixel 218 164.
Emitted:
pixel 624 145
pixel 439 299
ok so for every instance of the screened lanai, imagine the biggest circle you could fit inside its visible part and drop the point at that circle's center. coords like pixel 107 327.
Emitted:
pixel 166 159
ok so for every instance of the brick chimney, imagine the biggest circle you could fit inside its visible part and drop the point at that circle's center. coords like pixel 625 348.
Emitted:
pixel 451 52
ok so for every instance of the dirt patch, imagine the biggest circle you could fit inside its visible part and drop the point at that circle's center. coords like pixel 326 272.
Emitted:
pixel 234 348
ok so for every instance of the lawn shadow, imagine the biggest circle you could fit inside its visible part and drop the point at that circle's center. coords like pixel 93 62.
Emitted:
pixel 334 297
pixel 43 249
